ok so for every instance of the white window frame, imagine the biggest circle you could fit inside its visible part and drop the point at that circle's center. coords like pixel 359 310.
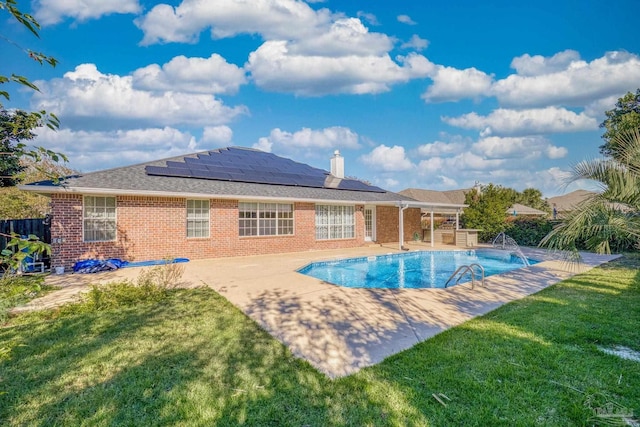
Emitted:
pixel 198 219
pixel 261 219
pixel 99 219
pixel 335 222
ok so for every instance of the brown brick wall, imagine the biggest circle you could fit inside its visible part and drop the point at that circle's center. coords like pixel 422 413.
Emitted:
pixel 387 224
pixel 152 228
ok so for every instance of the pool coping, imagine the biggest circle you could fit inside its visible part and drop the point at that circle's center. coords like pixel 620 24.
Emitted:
pixel 342 330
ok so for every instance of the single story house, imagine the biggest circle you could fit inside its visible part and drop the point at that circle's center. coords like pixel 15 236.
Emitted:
pixel 566 203
pixel 522 210
pixel 227 202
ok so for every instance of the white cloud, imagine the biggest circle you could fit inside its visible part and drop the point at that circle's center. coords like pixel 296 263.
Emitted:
pixel 344 37
pixel 309 139
pixel 406 19
pixel 273 19
pixel 440 148
pixel 598 108
pixel 527 147
pixel 560 80
pixel 522 122
pixel 387 159
pixel 462 163
pixel 49 12
pixel 217 136
pixel 273 67
pixel 564 79
pixel 370 18
pixel 527 65
pixel 86 93
pixel 391 183
pixel 93 150
pixel 415 42
pixel 198 75
pixel 452 84
pixel 448 182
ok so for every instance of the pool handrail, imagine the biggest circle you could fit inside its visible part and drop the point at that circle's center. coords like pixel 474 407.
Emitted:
pixel 467 268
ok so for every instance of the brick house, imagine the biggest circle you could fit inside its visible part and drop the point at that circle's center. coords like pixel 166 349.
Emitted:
pixel 227 202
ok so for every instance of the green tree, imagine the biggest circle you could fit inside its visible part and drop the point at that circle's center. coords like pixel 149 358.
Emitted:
pixel 17 204
pixel 610 220
pixel 624 118
pixel 487 210
pixel 17 125
pixel 532 197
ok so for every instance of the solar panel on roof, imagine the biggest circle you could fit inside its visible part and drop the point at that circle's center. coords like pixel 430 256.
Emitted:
pixel 252 166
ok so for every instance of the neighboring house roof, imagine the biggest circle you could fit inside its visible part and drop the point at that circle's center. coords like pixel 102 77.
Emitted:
pixel 455 197
pixel 450 196
pixel 567 202
pixel 525 210
pixel 137 180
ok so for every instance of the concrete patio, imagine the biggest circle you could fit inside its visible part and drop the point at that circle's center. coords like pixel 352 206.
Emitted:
pixel 341 330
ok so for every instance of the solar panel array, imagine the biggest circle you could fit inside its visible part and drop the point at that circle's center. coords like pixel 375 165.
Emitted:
pixel 253 166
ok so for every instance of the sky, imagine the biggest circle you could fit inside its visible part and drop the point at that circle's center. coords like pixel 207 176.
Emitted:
pixel 423 94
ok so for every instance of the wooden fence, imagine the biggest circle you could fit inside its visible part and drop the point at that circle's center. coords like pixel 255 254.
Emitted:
pixel 37 226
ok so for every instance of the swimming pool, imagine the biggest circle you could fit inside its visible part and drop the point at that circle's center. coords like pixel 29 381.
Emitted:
pixel 414 270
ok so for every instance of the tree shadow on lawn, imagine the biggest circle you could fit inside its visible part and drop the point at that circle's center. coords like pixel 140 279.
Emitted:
pixel 194 360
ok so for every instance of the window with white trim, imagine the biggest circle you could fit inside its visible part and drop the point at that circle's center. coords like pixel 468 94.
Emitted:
pixel 99 218
pixel 335 222
pixel 197 218
pixel 265 219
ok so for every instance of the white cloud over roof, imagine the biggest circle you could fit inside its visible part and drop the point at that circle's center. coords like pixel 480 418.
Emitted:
pixel 528 147
pixel 91 150
pixel 306 138
pixel 213 75
pixel 88 93
pixel 564 79
pixel 387 159
pixel 274 67
pixel 523 122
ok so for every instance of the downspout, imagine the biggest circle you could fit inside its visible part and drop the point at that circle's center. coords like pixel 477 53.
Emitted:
pixel 401 225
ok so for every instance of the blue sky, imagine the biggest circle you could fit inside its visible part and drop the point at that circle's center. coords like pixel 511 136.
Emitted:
pixel 425 94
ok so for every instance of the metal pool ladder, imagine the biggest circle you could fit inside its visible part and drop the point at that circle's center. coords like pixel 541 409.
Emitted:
pixel 464 269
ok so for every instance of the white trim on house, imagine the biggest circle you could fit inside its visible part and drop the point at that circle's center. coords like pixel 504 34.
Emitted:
pixel 116 192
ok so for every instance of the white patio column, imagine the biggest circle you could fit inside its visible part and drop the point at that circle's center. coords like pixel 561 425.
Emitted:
pixel 458 219
pixel 431 227
pixel 401 224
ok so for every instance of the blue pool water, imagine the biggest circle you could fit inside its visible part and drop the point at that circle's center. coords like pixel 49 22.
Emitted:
pixel 420 269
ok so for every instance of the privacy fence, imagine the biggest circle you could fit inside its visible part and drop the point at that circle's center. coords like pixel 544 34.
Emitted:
pixel 39 227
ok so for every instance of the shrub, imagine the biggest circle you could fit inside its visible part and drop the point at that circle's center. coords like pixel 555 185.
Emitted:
pixel 16 290
pixel 529 231
pixel 152 285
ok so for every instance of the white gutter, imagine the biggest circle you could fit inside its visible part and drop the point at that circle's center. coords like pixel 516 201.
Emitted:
pixel 50 189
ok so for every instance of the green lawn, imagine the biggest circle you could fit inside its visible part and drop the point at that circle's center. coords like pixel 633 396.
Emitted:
pixel 193 359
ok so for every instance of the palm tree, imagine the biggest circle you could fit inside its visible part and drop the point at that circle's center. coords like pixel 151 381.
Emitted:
pixel 608 220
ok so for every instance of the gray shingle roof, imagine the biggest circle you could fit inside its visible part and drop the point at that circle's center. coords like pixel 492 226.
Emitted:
pixel 134 180
pixel 568 202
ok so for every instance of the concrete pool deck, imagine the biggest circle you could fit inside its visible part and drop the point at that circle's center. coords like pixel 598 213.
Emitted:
pixel 341 330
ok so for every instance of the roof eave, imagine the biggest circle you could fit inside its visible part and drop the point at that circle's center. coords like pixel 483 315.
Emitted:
pixel 56 189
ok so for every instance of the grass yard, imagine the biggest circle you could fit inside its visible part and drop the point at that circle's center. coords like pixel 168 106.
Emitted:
pixel 191 359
